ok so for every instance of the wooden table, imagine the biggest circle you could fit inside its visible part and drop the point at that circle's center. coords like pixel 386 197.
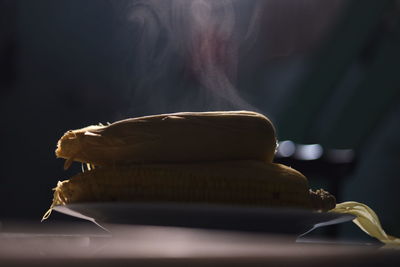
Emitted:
pixel 25 244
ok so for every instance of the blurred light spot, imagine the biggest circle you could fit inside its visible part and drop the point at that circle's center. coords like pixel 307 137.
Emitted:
pixel 286 149
pixel 340 155
pixel 308 152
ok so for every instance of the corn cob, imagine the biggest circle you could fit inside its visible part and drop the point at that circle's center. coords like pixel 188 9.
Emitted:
pixel 172 138
pixel 238 182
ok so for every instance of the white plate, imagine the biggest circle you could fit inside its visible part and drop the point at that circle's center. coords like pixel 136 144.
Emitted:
pixel 239 218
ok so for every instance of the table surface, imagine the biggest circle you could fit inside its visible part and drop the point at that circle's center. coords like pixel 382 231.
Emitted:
pixel 64 244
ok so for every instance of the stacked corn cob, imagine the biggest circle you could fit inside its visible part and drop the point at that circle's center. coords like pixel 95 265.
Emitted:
pixel 208 157
pixel 243 183
pixel 203 157
pixel 172 138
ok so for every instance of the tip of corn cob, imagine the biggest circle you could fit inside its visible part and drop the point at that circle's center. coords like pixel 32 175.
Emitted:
pixel 58 199
pixel 69 146
pixel 322 200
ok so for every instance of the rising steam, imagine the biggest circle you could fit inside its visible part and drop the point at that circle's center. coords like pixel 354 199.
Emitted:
pixel 185 52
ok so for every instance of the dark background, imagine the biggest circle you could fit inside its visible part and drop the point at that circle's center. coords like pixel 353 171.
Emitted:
pixel 325 72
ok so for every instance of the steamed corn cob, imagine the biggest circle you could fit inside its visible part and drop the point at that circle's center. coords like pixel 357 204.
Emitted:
pixel 235 183
pixel 217 138
pixel 172 138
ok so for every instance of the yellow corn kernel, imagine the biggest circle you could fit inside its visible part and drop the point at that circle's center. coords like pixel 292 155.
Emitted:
pixel 172 138
pixel 236 183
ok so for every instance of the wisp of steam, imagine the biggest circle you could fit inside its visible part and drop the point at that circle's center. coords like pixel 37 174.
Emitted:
pixel 184 54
